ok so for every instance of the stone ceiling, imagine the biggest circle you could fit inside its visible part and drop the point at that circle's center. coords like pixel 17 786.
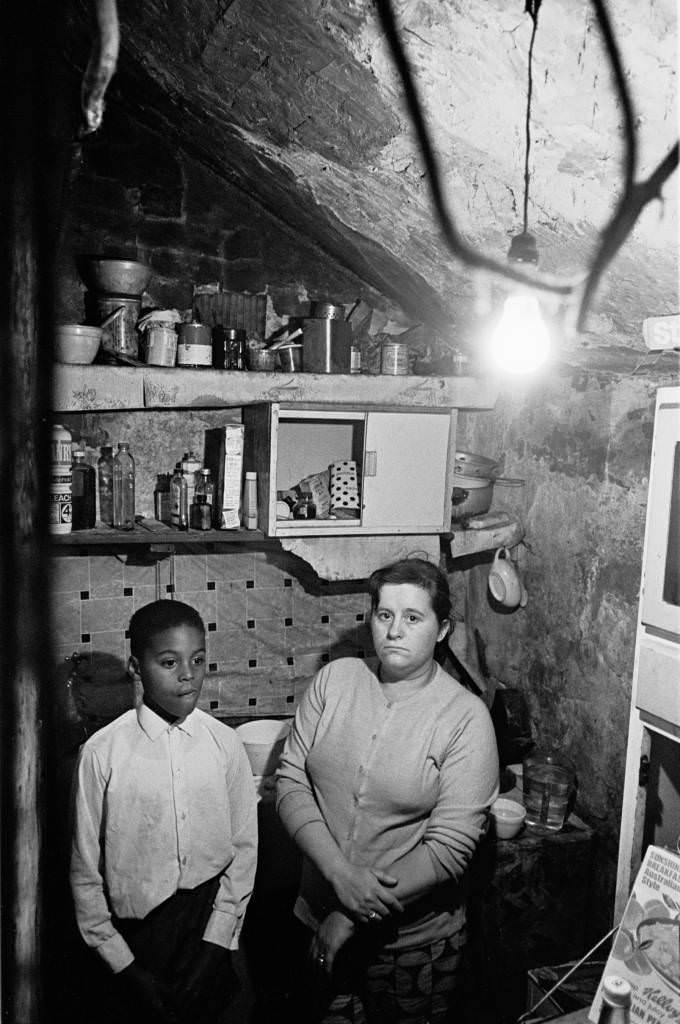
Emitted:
pixel 298 103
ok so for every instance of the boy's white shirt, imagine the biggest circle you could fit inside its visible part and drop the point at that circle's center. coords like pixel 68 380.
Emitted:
pixel 161 807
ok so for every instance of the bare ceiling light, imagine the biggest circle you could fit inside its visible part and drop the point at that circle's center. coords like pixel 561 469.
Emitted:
pixel 571 296
pixel 520 341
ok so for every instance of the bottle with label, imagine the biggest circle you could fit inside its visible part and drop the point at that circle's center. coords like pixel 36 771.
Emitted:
pixel 616 1000
pixel 201 510
pixel 191 467
pixel 161 498
pixel 59 513
pixel 105 482
pixel 83 491
pixel 123 488
pixel 179 507
pixel 250 501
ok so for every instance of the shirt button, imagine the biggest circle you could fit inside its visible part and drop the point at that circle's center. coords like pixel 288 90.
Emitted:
pixel 374 735
pixel 389 705
pixel 184 817
pixel 184 860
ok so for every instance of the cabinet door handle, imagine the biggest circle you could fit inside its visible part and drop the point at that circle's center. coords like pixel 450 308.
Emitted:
pixel 371 464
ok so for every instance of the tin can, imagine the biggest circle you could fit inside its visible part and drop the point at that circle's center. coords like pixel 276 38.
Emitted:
pixel 394 358
pixel 194 345
pixel 59 516
pixel 161 345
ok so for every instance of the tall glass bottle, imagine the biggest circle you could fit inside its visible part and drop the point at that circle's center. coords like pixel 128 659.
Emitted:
pixel 179 504
pixel 105 481
pixel 123 488
pixel 200 510
pixel 83 490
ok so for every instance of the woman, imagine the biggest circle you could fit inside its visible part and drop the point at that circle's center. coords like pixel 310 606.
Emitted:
pixel 385 783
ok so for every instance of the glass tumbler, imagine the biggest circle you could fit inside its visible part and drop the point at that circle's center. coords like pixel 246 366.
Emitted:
pixel 548 783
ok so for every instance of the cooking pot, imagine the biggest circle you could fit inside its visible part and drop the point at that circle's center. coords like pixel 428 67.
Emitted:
pixel 471 496
pixel 470 464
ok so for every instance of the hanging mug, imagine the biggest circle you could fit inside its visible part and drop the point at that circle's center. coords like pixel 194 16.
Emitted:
pixel 504 582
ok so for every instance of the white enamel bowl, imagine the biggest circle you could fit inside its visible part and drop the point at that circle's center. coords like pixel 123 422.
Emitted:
pixel 76 343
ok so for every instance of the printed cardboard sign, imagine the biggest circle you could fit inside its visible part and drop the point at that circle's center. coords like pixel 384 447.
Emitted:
pixel 646 949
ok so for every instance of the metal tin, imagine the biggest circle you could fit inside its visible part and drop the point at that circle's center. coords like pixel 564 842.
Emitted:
pixel 327 311
pixel 194 345
pixel 120 336
pixel 326 345
pixel 394 358
pixel 161 345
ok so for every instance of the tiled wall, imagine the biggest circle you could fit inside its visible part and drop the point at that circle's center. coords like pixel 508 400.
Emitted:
pixel 270 621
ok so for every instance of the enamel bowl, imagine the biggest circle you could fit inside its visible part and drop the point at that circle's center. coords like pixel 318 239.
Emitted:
pixel 76 343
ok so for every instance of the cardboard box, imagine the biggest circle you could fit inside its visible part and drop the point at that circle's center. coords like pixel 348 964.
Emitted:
pixel 223 456
pixel 646 948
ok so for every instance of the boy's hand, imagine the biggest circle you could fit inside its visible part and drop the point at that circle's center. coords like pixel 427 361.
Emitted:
pixel 151 991
pixel 211 978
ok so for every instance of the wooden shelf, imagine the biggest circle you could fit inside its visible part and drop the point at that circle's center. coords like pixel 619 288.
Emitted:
pixel 169 538
pixel 468 541
pixel 104 388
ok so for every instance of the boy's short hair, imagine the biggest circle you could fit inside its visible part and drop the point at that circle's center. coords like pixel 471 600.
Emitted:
pixel 160 615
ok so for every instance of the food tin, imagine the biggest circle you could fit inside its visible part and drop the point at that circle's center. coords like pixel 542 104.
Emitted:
pixel 161 344
pixel 394 358
pixel 194 345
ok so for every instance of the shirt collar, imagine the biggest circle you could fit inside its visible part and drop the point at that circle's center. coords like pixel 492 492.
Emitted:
pixel 154 726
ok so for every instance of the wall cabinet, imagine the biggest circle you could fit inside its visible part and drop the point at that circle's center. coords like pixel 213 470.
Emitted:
pixel 403 460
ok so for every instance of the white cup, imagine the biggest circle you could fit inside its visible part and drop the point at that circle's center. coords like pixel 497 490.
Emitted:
pixel 504 582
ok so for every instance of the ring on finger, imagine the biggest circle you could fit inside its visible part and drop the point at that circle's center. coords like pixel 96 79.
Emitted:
pixel 372 916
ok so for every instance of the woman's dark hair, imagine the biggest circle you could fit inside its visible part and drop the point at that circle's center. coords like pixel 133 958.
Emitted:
pixel 160 615
pixel 419 572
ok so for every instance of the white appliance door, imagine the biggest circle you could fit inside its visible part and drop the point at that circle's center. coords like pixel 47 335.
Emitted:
pixel 660 599
pixel 404 477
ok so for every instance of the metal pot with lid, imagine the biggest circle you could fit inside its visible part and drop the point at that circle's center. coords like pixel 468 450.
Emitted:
pixel 326 340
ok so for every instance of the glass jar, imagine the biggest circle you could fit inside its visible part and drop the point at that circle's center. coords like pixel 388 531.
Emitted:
pixel 548 781
pixel 105 482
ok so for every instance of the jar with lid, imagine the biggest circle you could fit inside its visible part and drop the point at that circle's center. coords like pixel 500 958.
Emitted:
pixel 83 491
pixel 123 488
pixel 105 484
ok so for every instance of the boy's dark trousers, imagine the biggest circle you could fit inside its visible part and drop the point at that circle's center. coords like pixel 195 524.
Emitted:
pixel 165 942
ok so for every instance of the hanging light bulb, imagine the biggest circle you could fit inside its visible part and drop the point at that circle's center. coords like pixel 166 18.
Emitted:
pixel 520 340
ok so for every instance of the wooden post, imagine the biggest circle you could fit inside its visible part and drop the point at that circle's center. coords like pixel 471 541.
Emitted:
pixel 29 184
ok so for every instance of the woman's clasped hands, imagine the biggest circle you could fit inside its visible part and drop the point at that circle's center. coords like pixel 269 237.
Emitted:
pixel 366 893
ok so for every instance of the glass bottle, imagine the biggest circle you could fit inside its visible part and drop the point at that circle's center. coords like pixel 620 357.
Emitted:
pixel 161 498
pixel 616 1000
pixel 105 482
pixel 83 492
pixel 179 506
pixel 191 466
pixel 200 512
pixel 123 488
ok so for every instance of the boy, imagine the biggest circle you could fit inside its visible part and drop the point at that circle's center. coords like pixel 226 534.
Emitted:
pixel 165 834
